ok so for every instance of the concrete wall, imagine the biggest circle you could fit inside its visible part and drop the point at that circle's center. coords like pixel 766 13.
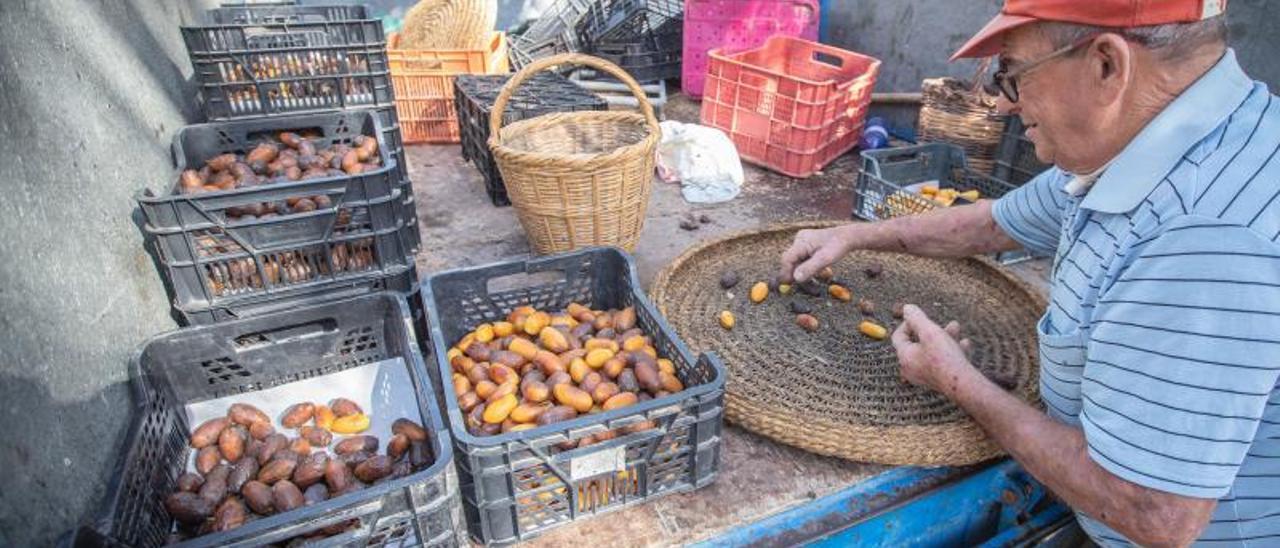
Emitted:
pixel 91 93
pixel 914 38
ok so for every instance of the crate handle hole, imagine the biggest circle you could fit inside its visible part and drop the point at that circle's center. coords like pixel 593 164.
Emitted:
pixel 272 136
pixel 287 333
pixel 900 158
pixel 828 59
pixel 511 282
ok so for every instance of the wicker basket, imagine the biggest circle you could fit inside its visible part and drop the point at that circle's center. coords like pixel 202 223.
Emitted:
pixel 448 24
pixel 957 113
pixel 577 179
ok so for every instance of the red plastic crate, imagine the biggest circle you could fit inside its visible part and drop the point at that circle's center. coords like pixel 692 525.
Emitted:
pixel 735 25
pixel 790 105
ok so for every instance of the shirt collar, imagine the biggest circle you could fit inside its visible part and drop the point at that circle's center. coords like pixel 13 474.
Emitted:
pixel 1158 148
pixel 1081 183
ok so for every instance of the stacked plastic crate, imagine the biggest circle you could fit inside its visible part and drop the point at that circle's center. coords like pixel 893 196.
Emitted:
pixel 276 238
pixel 552 33
pixel 641 36
pixel 1016 160
pixel 360 348
pixel 286 234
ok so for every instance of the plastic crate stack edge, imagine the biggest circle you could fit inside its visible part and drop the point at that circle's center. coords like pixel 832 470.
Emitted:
pixel 1016 160
pixel 280 60
pixel 214 260
pixel 283 62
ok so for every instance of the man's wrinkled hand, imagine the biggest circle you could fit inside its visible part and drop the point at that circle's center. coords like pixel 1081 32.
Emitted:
pixel 931 355
pixel 811 251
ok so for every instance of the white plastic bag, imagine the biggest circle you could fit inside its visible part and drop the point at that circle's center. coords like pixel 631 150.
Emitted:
pixel 703 159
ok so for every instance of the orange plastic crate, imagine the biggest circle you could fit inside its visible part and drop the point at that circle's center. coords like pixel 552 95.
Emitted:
pixel 423 81
pixel 790 105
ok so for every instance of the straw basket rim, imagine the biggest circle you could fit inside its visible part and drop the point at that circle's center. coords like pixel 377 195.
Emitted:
pixel 687 293
pixel 506 151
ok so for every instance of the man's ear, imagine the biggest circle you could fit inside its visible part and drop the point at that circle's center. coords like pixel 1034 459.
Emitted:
pixel 1110 61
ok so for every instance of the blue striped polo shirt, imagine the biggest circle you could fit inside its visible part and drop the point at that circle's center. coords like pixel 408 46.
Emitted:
pixel 1162 337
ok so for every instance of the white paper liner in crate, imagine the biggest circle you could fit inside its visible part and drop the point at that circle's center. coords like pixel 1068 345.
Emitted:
pixel 383 390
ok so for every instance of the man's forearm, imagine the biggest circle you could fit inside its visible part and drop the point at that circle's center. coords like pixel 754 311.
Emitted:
pixel 1057 455
pixel 960 231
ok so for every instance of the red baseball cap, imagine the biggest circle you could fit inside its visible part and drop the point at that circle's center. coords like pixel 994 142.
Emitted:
pixel 1102 13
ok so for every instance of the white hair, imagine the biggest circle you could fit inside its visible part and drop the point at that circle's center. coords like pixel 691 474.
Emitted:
pixel 1170 42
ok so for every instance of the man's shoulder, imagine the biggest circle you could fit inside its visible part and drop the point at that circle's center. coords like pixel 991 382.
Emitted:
pixel 1190 237
pixel 1233 176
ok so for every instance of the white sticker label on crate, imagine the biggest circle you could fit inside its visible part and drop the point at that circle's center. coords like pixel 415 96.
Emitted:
pixel 599 462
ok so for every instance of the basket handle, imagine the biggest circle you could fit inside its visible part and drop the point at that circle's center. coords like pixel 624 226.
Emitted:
pixel 509 89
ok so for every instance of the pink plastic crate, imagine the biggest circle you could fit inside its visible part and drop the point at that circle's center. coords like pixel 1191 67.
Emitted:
pixel 790 105
pixel 735 25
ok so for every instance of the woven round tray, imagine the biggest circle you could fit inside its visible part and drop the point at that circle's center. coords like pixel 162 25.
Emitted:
pixel 835 391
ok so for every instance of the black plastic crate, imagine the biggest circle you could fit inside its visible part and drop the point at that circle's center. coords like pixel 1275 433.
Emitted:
pixel 269 26
pixel 278 59
pixel 212 259
pixel 553 32
pixel 519 484
pixel 882 191
pixel 642 61
pixel 1016 160
pixel 283 11
pixel 402 280
pixel 390 121
pixel 409 212
pixel 544 93
pixel 630 21
pixel 194 364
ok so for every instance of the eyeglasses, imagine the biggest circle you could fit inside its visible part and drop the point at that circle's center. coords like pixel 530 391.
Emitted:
pixel 1005 81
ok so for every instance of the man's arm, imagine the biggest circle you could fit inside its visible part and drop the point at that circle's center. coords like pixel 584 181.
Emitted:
pixel 1055 453
pixel 960 231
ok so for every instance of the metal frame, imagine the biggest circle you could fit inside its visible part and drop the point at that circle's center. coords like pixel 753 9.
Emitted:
pixel 996 505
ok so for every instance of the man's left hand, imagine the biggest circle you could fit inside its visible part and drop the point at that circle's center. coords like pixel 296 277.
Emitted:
pixel 931 355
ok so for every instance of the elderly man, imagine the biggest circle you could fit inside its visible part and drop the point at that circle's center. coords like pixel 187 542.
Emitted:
pixel 1160 349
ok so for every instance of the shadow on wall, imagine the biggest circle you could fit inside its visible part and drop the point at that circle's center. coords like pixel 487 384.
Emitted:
pixel 47 492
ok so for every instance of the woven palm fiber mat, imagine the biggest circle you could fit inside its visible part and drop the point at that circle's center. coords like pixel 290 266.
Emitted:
pixel 836 391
